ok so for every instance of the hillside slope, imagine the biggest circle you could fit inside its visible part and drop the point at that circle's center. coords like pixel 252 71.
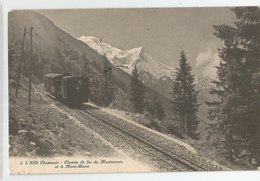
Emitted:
pixel 49 43
pixel 47 38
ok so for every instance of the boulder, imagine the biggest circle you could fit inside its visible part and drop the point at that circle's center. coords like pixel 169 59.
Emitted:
pixel 64 146
pixel 69 153
pixel 45 144
pixel 33 137
pixel 22 132
pixel 62 125
pixel 22 123
pixel 32 146
pixel 73 143
pixel 137 116
pixel 66 116
pixel 87 154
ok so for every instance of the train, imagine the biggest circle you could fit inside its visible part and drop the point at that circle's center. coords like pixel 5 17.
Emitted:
pixel 71 90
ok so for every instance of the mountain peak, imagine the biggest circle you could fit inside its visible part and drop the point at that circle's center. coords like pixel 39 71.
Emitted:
pixel 149 67
pixel 105 48
pixel 124 59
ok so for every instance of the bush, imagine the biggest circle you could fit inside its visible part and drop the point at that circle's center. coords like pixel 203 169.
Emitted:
pixel 145 123
pixel 153 122
pixel 13 125
pixel 12 83
pixel 172 127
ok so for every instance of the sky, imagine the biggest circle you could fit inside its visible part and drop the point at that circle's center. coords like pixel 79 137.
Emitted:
pixel 162 32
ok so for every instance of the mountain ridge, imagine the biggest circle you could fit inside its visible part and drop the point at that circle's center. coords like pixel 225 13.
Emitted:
pixel 158 77
pixel 49 46
pixel 152 73
pixel 127 59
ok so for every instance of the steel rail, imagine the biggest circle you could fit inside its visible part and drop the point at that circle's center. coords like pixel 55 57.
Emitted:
pixel 184 161
pixel 175 167
pixel 171 152
pixel 127 131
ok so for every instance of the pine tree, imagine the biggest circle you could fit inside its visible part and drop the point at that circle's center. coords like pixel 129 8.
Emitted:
pixel 149 107
pixel 158 109
pixel 185 97
pixel 237 87
pixel 108 85
pixel 137 94
pixel 85 72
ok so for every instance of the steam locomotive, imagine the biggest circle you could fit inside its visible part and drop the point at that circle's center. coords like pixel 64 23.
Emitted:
pixel 66 88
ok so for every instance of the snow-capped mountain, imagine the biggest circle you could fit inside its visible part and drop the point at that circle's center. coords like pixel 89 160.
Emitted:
pixel 150 69
pixel 155 75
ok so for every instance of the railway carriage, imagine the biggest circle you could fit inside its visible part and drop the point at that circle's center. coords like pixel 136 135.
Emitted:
pixel 52 83
pixel 74 90
pixel 69 89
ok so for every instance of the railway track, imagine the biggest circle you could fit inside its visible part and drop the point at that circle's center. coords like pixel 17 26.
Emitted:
pixel 170 159
pixel 165 155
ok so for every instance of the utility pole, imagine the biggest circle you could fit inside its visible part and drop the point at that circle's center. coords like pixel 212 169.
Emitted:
pixel 20 66
pixel 30 69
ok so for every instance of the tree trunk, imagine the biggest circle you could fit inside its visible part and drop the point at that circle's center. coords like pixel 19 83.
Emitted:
pixel 185 124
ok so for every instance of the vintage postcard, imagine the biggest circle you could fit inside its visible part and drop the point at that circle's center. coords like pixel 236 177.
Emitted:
pixel 134 90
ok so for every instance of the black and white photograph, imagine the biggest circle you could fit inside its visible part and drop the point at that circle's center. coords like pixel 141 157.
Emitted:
pixel 134 90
